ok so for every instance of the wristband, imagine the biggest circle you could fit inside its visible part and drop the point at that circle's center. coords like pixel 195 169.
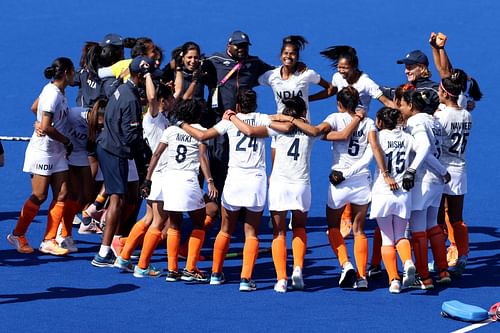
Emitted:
pixel 385 173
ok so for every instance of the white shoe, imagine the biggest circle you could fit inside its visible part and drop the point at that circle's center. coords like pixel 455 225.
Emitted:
pixel 280 286
pixel 361 284
pixel 297 279
pixel 69 244
pixel 395 287
pixel 76 220
pixel 348 276
pixel 409 274
pixel 51 247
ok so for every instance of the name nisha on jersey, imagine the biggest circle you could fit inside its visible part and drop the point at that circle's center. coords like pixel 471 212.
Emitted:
pixel 184 137
pixel 395 144
pixel 466 125
pixel 288 94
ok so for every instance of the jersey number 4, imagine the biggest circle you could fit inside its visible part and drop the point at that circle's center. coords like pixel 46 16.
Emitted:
pixel 293 151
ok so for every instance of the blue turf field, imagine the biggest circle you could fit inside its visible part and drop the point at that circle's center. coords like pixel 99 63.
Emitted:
pixel 40 293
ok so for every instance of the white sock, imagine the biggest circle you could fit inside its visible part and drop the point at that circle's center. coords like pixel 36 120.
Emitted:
pixel 103 250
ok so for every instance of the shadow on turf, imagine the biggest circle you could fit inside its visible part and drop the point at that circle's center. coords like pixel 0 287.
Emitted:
pixel 66 292
pixel 15 215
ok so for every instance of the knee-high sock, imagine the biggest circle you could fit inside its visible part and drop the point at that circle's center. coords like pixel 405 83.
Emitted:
pixel 299 246
pixel 28 213
pixel 377 244
pixel 221 246
pixel 420 249
pixel 361 253
pixel 338 245
pixel 389 257
pixel 71 207
pixel 461 238
pixel 173 244
pixel 151 240
pixel 250 252
pixel 279 256
pixel 347 213
pixel 54 218
pixel 134 238
pixel 195 243
pixel 449 227
pixel 404 249
pixel 438 245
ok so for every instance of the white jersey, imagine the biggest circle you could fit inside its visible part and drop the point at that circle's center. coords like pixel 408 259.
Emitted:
pixel 456 125
pixel 425 123
pixel 292 159
pixel 347 152
pixel 245 152
pixel 51 100
pixel 182 149
pixel 365 86
pixel 295 85
pixel 78 133
pixel 153 129
pixel 397 147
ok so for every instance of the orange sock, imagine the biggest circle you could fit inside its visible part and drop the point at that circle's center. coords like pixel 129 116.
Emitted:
pixel 420 249
pixel 361 253
pixel 279 256
pixel 54 218
pixel 28 213
pixel 404 249
pixel 347 214
pixel 338 245
pixel 299 246
pixel 195 243
pixel 71 207
pixel 151 240
pixel 208 222
pixel 438 245
pixel 250 252
pixel 461 238
pixel 221 246
pixel 134 238
pixel 377 244
pixel 449 227
pixel 389 256
pixel 173 243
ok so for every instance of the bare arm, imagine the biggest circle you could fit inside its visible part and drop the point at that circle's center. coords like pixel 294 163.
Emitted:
pixel 346 132
pixel 247 130
pixel 310 130
pixel 379 159
pixel 151 96
pixel 328 91
pixel 199 134
pixel 155 158
pixel 205 169
pixel 387 102
pixel 52 132
pixel 34 106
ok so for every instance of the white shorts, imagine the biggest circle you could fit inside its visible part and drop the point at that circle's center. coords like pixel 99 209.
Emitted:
pixel 245 188
pixel 285 196
pixel 44 165
pixel 133 176
pixel 398 204
pixel 79 158
pixel 425 195
pixel 156 186
pixel 356 190
pixel 457 184
pixel 181 191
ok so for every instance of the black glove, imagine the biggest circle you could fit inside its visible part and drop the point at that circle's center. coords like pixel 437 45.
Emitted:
pixel 69 148
pixel 145 188
pixel 336 177
pixel 409 179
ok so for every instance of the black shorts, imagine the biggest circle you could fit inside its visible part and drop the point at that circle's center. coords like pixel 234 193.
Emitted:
pixel 114 170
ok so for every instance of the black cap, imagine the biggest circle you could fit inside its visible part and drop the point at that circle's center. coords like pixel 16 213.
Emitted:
pixel 112 39
pixel 414 57
pixel 239 37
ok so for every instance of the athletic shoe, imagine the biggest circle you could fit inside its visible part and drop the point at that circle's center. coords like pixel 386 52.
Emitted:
pixel 217 278
pixel 408 274
pixel 172 276
pixel 345 227
pixel 194 275
pixel 361 284
pixel 374 272
pixel 452 255
pixel 297 278
pixel 107 261
pixel 88 226
pixel 444 278
pixel 247 285
pixel 150 271
pixel 423 284
pixel 69 244
pixel 395 287
pixel 124 265
pixel 432 267
pixel 459 268
pixel 117 246
pixel 280 286
pixel 76 220
pixel 348 276
pixel 20 243
pixel 94 213
pixel 50 246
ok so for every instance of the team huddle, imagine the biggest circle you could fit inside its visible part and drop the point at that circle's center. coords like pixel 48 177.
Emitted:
pixel 141 130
